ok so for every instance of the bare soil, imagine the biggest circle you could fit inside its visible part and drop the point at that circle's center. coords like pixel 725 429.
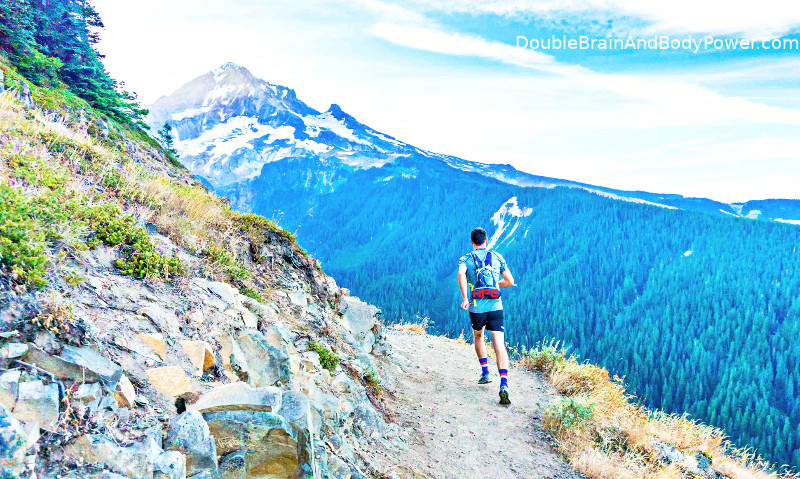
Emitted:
pixel 459 430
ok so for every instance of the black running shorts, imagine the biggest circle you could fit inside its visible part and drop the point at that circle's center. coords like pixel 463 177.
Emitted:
pixel 493 320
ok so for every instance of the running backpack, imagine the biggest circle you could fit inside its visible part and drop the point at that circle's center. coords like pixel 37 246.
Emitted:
pixel 485 286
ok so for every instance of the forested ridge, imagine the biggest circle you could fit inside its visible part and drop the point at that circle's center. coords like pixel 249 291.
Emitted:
pixel 52 44
pixel 698 312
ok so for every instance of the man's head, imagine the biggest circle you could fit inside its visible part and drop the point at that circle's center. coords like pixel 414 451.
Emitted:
pixel 478 237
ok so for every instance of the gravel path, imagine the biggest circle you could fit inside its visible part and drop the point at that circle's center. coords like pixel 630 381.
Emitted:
pixel 460 430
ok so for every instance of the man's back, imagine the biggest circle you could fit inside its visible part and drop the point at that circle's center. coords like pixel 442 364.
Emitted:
pixel 498 266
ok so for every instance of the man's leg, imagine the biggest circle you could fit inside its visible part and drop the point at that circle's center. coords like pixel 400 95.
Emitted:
pixel 499 345
pixel 480 350
pixel 480 345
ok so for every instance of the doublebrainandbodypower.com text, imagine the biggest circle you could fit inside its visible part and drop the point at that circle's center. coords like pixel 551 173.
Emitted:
pixel 656 42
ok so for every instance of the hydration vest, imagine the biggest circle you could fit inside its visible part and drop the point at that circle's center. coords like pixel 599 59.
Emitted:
pixel 485 286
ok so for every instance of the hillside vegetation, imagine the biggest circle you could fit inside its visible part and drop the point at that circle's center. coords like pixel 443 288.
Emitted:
pixel 148 331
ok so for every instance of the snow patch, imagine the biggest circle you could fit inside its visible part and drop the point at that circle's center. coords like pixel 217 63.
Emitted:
pixel 325 121
pixel 753 214
pixel 237 132
pixel 509 215
pixel 317 148
pixel 793 222
pixel 190 113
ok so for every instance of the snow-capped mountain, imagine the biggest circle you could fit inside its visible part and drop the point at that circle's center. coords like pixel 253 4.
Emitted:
pixel 229 124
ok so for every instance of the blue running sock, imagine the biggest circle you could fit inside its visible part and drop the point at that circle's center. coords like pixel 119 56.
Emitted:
pixel 484 365
pixel 503 377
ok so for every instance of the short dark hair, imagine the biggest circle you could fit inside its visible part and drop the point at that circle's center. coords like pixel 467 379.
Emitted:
pixel 478 236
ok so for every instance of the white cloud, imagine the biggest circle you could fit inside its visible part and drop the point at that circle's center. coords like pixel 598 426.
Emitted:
pixel 762 19
pixel 662 103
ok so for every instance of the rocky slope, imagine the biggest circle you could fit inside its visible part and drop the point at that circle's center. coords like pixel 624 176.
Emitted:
pixel 147 331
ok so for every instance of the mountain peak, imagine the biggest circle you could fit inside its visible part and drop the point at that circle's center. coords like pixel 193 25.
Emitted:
pixel 337 112
pixel 232 72
pixel 230 66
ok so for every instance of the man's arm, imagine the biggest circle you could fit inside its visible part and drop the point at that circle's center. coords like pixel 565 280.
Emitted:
pixel 507 280
pixel 462 285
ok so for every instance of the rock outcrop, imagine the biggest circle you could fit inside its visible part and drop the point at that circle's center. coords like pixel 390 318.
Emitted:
pixel 247 362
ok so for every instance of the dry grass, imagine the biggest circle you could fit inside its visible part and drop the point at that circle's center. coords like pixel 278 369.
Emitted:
pixel 605 433
pixel 411 328
pixel 139 179
pixel 420 326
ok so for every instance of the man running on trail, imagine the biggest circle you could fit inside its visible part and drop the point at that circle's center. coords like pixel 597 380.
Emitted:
pixel 481 274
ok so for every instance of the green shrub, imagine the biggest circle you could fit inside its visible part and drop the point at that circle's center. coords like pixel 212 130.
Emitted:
pixel 570 415
pixel 327 358
pixel 255 226
pixel 41 69
pixel 22 242
pixel 35 173
pixel 372 382
pixel 224 259
pixel 252 293
pixel 74 279
pixel 111 178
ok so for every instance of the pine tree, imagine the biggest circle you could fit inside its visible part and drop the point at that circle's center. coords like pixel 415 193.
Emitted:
pixel 167 140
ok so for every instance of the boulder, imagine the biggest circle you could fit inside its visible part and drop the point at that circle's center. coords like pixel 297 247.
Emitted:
pixel 310 361
pixel 38 403
pixel 367 421
pixel 9 388
pixel 125 393
pixel 130 462
pixel 232 466
pixel 200 354
pixel 77 364
pixel 13 446
pixel 88 392
pixel 13 350
pixel 224 291
pixel 154 341
pixel 299 298
pixel 189 434
pixel 265 364
pixel 170 380
pixel 25 96
pixel 358 317
pixel 265 442
pixel 239 396
pixel 297 409
pixel 225 347
pixel 169 465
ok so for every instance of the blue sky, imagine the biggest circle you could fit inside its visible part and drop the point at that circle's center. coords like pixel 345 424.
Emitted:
pixel 446 75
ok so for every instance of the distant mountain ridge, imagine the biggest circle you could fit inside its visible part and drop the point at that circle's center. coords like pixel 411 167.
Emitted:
pixel 229 124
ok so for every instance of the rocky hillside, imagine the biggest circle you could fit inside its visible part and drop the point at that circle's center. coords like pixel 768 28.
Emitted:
pixel 148 331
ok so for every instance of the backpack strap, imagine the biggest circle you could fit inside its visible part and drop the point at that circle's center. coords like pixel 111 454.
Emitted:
pixel 478 262
pixel 487 260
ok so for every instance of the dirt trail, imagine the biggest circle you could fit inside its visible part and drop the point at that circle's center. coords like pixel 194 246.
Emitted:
pixel 460 429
